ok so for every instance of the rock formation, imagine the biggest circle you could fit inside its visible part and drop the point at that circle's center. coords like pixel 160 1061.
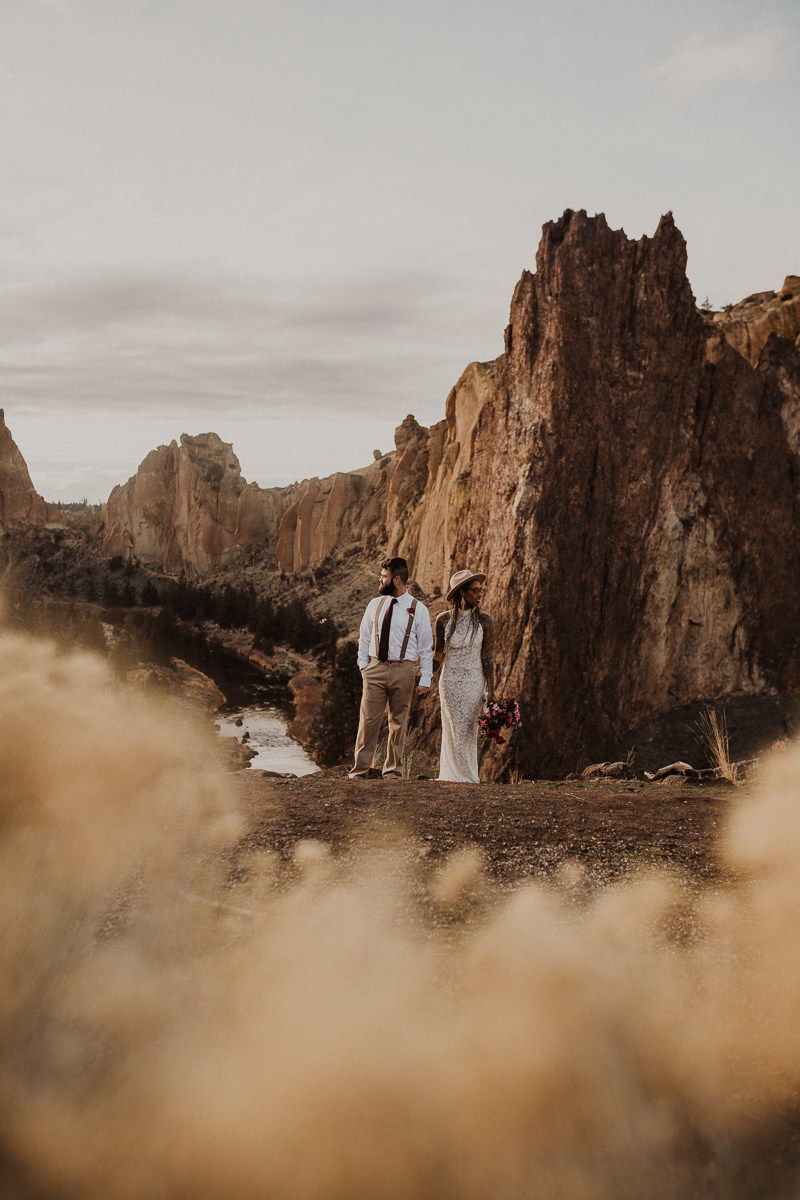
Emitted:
pixel 18 500
pixel 189 510
pixel 374 506
pixel 627 473
pixel 633 497
pixel 748 324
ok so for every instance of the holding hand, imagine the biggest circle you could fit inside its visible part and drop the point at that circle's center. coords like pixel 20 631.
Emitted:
pixel 422 691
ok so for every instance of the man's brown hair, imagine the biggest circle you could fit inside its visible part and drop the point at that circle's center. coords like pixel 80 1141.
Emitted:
pixel 397 566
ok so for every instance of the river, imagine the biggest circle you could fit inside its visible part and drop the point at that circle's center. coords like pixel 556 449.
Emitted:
pixel 262 704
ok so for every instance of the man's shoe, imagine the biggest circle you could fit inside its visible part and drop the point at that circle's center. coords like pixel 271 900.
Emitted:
pixel 392 777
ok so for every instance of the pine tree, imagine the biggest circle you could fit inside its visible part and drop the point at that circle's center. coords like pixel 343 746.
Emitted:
pixel 150 596
pixel 110 594
pixel 333 730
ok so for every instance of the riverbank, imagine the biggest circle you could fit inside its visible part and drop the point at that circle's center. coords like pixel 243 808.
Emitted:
pixel 283 662
pixel 297 671
pixel 259 706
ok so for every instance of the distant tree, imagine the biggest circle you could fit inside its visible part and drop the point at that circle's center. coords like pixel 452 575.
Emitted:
pixel 263 626
pixel 334 729
pixel 327 637
pixel 233 606
pixel 150 595
pixel 110 594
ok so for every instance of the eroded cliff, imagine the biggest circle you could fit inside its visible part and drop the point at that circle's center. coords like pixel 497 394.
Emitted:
pixel 748 324
pixel 633 499
pixel 188 509
pixel 19 502
pixel 626 472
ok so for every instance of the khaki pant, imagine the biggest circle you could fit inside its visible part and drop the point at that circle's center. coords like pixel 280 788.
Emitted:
pixel 389 683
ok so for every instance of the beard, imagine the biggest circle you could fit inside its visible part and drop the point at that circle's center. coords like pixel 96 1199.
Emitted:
pixel 388 589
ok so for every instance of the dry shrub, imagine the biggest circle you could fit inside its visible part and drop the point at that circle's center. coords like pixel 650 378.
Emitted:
pixel 332 1047
pixel 379 754
pixel 713 737
pixel 415 760
pixel 307 692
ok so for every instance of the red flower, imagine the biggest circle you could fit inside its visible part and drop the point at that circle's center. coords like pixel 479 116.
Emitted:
pixel 503 714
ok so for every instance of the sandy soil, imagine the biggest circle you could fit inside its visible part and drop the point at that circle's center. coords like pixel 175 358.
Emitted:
pixel 525 830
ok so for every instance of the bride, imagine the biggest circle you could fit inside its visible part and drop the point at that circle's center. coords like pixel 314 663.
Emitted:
pixel 465 641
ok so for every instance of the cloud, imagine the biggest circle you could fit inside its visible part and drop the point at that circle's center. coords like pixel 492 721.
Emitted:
pixel 197 345
pixel 752 57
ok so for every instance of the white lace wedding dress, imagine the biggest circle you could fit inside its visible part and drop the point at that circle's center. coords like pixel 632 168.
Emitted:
pixel 461 689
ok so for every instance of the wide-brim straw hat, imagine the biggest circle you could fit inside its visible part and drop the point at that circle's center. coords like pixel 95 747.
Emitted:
pixel 461 577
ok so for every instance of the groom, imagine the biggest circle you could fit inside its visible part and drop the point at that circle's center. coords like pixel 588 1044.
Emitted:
pixel 395 632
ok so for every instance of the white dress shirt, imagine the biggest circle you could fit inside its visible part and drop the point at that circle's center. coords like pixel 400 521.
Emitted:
pixel 420 642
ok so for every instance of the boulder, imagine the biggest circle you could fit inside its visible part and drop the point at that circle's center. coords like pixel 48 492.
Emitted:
pixel 747 325
pixel 608 770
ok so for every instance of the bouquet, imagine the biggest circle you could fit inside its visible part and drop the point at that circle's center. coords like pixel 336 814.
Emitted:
pixel 500 714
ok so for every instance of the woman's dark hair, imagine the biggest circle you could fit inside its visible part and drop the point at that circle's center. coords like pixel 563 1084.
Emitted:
pixel 397 566
pixel 473 615
pixel 458 594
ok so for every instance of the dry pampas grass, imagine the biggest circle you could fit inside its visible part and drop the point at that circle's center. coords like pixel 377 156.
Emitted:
pixel 330 1046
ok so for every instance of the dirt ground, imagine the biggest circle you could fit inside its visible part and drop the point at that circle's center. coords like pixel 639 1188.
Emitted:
pixel 530 829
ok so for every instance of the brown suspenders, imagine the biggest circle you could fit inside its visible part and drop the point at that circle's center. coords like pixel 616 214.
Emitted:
pixel 378 612
pixel 411 612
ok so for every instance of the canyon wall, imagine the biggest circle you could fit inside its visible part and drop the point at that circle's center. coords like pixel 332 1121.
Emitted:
pixel 627 473
pixel 633 497
pixel 19 502
pixel 188 509
pixel 748 324
pixel 371 506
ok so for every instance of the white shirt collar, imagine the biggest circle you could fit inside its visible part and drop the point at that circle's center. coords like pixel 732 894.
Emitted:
pixel 405 601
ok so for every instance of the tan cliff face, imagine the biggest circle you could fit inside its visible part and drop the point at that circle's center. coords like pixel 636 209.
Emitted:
pixel 634 504
pixel 377 506
pixel 19 502
pixel 188 509
pixel 627 473
pixel 748 324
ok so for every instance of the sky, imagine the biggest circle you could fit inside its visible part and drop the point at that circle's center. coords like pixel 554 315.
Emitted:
pixel 293 222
